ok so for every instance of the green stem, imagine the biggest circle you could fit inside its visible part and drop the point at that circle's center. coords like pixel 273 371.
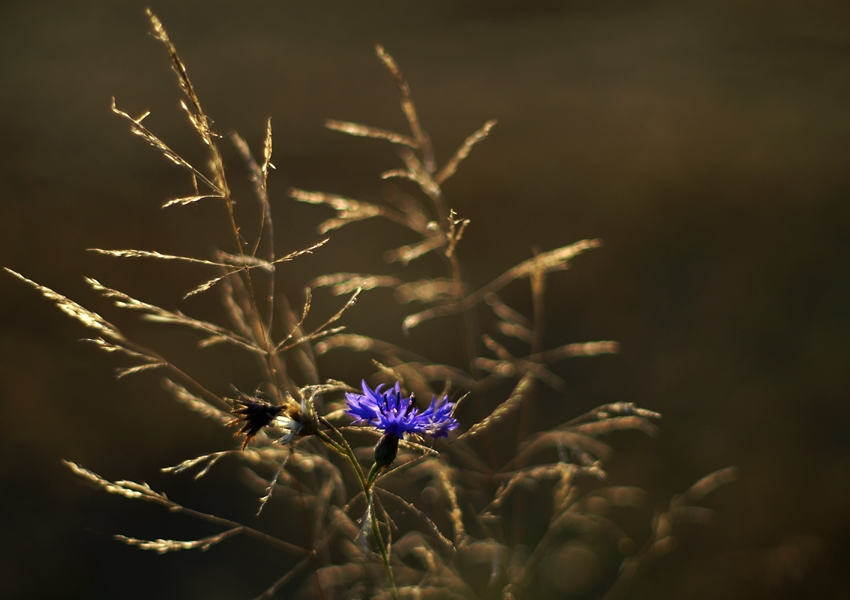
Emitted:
pixel 331 444
pixel 382 548
pixel 344 449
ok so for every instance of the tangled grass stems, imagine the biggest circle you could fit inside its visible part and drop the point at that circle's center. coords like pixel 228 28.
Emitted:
pixel 296 421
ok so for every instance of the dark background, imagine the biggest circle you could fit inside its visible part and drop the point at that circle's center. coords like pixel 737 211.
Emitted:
pixel 705 142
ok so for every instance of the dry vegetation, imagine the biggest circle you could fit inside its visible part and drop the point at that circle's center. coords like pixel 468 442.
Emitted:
pixel 440 521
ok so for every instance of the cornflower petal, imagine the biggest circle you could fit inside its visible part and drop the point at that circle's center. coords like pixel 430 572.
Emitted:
pixel 390 412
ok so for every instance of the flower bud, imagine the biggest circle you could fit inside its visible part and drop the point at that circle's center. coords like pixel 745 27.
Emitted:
pixel 386 451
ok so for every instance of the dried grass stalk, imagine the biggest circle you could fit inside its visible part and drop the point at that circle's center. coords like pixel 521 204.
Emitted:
pixel 513 401
pixel 359 130
pixel 75 311
pixel 161 546
pixel 547 261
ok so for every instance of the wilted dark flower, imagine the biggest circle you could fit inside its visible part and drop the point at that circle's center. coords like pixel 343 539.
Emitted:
pixel 254 414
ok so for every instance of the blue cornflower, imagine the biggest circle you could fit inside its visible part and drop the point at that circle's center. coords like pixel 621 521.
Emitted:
pixel 388 411
pixel 393 414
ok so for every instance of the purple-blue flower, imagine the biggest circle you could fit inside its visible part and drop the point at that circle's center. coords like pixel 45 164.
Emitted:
pixel 395 415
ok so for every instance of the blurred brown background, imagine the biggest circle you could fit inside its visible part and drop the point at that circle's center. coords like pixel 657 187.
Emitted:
pixel 705 142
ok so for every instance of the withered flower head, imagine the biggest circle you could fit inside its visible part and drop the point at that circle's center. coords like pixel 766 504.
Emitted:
pixel 253 414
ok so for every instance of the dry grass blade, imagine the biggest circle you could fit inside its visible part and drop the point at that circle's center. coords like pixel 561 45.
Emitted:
pixel 146 134
pixel 601 500
pixel 410 252
pixel 588 524
pixel 297 253
pixel 145 254
pixel 296 330
pixel 406 363
pixel 359 130
pixel 348 210
pixel 184 200
pixel 662 541
pixel 455 232
pixel 153 364
pixel 505 312
pixel 450 167
pixel 259 179
pixel 515 330
pixel 547 261
pixel 578 349
pixel 272 590
pixel 208 284
pixel 180 69
pixel 207 460
pixel 513 401
pixel 421 174
pixel 400 174
pixel 607 411
pixel 431 525
pixel 508 365
pixel 358 343
pixel 443 476
pixel 455 514
pixel 612 424
pixel 345 283
pixel 362 343
pixel 308 338
pixel 391 373
pixel 271 484
pixel 109 347
pixel 575 442
pixel 201 124
pixel 407 106
pixel 496 348
pixel 321 331
pixel 128 489
pixel 75 311
pixel 503 369
pixel 267 153
pixel 155 313
pixel 304 355
pixel 233 308
pixel 161 546
pixel 244 261
pixel 196 404
pixel 430 372
pixel 239 263
pixel 428 291
pixel 532 474
pixel 706 485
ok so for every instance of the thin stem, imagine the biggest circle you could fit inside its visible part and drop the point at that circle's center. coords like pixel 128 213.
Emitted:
pixel 366 485
pixel 379 540
pixel 271 540
pixel 309 532
pixel 469 334
pixel 136 347
pixel 331 444
pixel 345 450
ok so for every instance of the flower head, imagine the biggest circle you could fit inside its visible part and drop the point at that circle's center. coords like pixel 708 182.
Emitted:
pixel 395 415
pixel 253 414
pixel 297 420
